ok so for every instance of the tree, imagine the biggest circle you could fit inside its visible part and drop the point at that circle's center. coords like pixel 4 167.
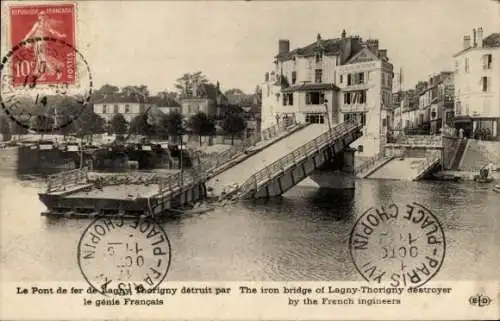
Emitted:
pixel 118 125
pixel 88 124
pixel 42 124
pixel 186 85
pixel 68 125
pixel 172 125
pixel 258 95
pixel 108 90
pixel 5 128
pixel 236 96
pixel 140 93
pixel 233 125
pixel 201 125
pixel 17 129
pixel 139 125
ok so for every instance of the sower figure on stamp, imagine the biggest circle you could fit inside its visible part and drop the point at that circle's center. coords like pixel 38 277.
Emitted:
pixel 45 62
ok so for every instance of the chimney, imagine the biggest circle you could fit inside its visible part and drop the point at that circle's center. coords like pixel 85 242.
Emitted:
pixel 382 54
pixel 479 36
pixel 283 46
pixel 372 45
pixel 343 34
pixel 466 41
pixel 266 76
pixel 474 37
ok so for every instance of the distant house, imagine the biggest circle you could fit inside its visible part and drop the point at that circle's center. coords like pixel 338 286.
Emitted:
pixel 130 107
pixel 207 98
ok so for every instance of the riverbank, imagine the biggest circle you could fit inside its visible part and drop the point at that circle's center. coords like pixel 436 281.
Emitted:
pixel 468 175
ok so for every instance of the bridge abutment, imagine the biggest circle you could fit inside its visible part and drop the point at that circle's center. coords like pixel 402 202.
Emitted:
pixel 338 173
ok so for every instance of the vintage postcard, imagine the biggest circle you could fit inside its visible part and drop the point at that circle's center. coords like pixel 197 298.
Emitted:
pixel 250 160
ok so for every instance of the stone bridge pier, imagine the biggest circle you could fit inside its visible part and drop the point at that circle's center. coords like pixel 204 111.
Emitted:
pixel 336 173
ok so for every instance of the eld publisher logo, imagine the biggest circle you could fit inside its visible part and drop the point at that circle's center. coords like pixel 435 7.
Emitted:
pixel 480 300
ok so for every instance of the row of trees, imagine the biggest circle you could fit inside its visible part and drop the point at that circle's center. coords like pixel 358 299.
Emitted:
pixel 164 126
pixel 174 125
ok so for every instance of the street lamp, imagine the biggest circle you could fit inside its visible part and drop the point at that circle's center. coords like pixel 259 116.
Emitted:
pixel 328 117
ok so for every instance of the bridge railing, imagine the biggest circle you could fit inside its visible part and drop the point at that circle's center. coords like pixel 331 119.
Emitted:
pixel 431 159
pixel 369 163
pixel 429 140
pixel 61 181
pixel 213 160
pixel 206 162
pixel 297 155
pixel 179 181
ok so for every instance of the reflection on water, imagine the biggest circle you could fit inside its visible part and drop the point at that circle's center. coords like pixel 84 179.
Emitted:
pixel 302 236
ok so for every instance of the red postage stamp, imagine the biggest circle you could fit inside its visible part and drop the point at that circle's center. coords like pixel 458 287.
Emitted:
pixel 45 35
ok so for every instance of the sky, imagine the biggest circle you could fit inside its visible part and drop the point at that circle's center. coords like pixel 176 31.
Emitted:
pixel 154 43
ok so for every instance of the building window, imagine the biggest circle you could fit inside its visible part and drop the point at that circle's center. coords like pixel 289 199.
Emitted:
pixel 104 109
pixel 315 118
pixel 318 73
pixel 487 59
pixel 355 97
pixel 278 97
pixel 466 64
pixel 349 80
pixel 360 78
pixel 360 148
pixel 115 109
pixel 485 83
pixel 458 108
pixel 315 98
pixel 319 57
pixel 127 108
pixel 288 99
pixel 359 117
pixel 341 78
pixel 294 77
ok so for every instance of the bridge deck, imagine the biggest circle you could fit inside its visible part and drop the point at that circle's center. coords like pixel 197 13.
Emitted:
pixel 241 172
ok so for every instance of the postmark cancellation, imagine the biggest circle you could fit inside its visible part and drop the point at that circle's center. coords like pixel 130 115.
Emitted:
pixel 401 245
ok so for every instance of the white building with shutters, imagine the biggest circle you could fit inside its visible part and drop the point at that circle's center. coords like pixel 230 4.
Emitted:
pixel 342 78
pixel 477 84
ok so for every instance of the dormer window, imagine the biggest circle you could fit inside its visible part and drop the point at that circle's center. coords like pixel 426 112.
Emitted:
pixel 319 57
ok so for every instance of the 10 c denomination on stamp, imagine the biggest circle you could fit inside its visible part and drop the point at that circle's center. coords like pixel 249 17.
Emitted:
pixel 117 254
pixel 398 245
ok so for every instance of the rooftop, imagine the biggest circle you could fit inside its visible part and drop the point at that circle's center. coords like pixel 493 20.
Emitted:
pixel 302 87
pixel 327 46
pixel 492 41
pixel 122 98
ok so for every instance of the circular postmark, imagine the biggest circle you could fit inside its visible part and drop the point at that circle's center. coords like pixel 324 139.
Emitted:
pixel 398 245
pixel 117 254
pixel 46 84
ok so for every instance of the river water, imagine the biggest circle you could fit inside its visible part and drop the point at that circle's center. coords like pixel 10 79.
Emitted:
pixel 302 236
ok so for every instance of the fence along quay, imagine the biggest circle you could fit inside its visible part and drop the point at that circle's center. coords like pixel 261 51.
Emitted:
pixel 68 193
